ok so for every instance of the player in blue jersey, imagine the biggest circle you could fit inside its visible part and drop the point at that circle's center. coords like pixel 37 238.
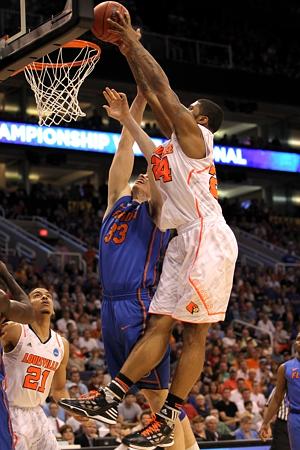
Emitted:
pixel 130 248
pixel 19 311
pixel 288 382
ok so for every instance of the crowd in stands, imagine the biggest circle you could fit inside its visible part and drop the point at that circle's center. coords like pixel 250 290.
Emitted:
pixel 228 400
pixel 79 209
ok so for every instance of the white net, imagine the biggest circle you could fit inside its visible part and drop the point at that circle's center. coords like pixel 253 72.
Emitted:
pixel 56 84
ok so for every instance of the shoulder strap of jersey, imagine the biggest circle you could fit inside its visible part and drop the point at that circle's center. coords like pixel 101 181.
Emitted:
pixel 60 342
pixel 116 205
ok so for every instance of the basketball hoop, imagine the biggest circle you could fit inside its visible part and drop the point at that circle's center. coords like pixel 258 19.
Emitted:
pixel 56 84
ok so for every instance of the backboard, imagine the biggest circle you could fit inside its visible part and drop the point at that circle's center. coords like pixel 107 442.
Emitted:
pixel 30 29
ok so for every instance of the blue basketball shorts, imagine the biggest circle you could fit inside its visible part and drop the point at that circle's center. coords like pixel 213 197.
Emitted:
pixel 123 323
pixel 6 433
pixel 294 430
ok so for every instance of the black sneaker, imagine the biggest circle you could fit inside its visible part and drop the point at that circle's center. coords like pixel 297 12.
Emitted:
pixel 157 433
pixel 94 406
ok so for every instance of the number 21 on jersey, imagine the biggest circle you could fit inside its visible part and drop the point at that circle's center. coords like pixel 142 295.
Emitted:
pixel 36 379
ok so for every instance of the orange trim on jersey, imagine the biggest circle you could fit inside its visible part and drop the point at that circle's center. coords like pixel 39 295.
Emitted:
pixel 196 171
pixel 149 256
pixel 144 312
pixel 59 344
pixel 198 292
pixel 189 321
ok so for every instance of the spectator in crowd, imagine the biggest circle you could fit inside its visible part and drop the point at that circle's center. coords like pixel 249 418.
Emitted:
pixel 201 406
pixel 257 396
pixel 222 428
pixel 129 410
pixel 74 379
pixel 228 409
pixel 231 382
pixel 64 321
pixel 87 343
pixel 246 396
pixel 256 417
pixel 198 427
pixel 245 431
pixel 88 433
pixel 266 324
pixel 55 421
pixel 67 434
pixel 236 395
pixel 212 434
pixel 229 340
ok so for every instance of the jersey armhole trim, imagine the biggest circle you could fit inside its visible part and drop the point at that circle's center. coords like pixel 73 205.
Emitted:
pixel 115 206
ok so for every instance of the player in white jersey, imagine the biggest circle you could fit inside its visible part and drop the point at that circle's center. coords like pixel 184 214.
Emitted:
pixel 199 264
pixel 35 360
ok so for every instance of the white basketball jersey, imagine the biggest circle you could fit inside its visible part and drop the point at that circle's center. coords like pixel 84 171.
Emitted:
pixel 30 368
pixel 188 186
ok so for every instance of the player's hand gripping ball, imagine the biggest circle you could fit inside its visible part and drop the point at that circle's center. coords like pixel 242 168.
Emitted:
pixel 101 27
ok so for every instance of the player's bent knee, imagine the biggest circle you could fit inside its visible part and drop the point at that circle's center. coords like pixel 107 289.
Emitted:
pixel 156 398
pixel 158 323
pixel 195 333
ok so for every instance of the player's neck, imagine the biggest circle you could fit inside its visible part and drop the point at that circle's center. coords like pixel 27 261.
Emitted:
pixel 41 328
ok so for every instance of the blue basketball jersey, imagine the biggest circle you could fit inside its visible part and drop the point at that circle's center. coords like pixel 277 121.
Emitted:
pixel 130 248
pixel 292 376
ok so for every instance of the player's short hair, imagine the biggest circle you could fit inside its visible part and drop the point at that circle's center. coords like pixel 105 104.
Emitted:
pixel 214 113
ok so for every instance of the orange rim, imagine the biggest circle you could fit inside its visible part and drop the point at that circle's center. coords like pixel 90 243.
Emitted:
pixel 72 44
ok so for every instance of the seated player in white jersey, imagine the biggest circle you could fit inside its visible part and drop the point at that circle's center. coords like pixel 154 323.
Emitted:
pixel 35 359
pixel 21 311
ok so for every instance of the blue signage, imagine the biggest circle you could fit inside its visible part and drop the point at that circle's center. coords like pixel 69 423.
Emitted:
pixel 104 142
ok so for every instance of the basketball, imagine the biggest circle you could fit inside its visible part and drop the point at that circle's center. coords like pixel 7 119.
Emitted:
pixel 104 11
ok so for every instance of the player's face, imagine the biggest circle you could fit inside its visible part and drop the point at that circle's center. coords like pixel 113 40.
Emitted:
pixel 141 188
pixel 41 300
pixel 195 109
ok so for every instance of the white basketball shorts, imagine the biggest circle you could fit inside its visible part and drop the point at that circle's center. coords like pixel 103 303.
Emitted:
pixel 197 273
pixel 31 429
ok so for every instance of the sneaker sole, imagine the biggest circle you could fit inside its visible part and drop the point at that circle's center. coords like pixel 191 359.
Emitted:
pixel 82 412
pixel 138 447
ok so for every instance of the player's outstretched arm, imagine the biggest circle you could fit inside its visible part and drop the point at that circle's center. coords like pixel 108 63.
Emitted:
pixel 152 100
pixel 117 108
pixel 275 403
pixel 19 310
pixel 182 120
pixel 122 164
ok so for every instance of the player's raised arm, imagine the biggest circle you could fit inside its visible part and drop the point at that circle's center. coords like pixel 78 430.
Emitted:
pixel 275 403
pixel 19 310
pixel 152 100
pixel 122 164
pixel 118 109
pixel 183 121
